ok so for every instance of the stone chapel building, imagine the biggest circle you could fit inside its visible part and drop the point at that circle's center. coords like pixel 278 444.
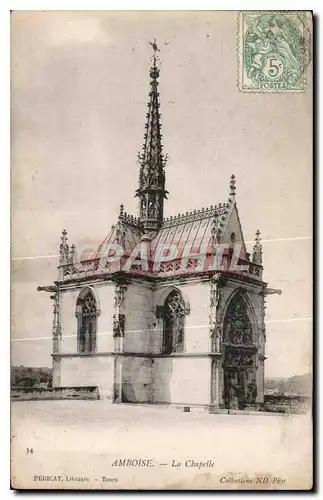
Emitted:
pixel 183 332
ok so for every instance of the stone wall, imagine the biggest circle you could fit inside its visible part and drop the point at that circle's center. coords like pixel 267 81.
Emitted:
pixel 197 335
pixel 184 378
pixel 145 375
pixel 181 380
pixel 139 321
pixel 104 294
pixel 88 370
pixel 139 325
pixel 32 394
pixel 137 377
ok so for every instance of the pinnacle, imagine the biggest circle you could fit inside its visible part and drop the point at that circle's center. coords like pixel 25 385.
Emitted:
pixel 232 185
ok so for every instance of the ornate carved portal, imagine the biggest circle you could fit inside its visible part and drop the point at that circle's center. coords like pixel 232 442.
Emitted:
pixel 86 313
pixel 240 388
pixel 174 318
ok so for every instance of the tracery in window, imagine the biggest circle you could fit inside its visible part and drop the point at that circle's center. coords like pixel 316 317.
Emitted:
pixel 174 321
pixel 86 314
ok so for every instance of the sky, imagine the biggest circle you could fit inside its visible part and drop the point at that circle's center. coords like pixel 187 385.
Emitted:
pixel 79 91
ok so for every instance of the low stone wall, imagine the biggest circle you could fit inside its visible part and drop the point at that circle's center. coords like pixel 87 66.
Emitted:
pixel 287 404
pixel 29 394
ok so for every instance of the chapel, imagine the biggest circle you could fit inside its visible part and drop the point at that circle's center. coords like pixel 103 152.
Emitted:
pixel 167 310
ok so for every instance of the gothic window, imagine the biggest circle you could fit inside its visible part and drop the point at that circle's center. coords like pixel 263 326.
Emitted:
pixel 174 319
pixel 86 314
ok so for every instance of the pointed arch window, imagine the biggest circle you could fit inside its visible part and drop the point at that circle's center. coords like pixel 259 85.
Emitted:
pixel 174 322
pixel 86 314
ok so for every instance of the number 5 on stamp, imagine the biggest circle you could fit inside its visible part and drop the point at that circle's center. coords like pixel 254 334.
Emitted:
pixel 273 51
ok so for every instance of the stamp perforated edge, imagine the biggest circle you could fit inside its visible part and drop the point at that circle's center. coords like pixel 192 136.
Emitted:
pixel 308 49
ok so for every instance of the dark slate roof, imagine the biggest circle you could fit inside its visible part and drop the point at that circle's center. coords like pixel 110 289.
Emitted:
pixel 198 230
pixel 194 229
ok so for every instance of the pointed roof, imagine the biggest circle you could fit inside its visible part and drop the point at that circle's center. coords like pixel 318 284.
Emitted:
pixel 198 232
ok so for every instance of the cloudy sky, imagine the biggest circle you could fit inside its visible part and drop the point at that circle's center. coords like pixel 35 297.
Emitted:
pixel 79 90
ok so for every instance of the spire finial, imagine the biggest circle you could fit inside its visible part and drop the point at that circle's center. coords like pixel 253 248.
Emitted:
pixel 121 211
pixel 154 70
pixel 64 237
pixel 154 46
pixel 232 186
pixel 257 238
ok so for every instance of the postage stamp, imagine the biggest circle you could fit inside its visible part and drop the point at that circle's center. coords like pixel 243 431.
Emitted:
pixel 273 51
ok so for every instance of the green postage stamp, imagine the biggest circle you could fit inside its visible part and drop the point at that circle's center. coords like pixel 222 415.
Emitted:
pixel 273 50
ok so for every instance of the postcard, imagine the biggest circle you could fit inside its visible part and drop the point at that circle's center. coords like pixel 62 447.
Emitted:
pixel 161 274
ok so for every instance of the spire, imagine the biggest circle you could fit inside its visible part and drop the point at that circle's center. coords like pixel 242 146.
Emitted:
pixel 151 190
pixel 257 249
